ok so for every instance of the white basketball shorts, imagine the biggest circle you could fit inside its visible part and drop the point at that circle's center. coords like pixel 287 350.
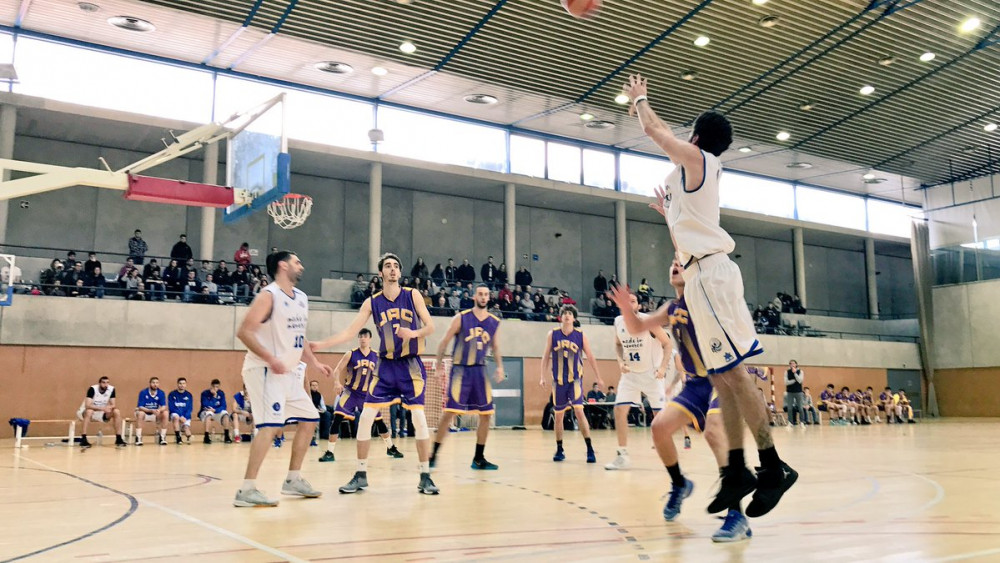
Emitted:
pixel 215 416
pixel 713 290
pixel 633 384
pixel 279 399
pixel 145 417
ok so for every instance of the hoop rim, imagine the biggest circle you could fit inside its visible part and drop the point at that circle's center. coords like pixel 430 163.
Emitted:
pixel 296 196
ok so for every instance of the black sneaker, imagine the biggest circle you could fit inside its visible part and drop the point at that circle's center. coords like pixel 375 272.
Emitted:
pixel 483 465
pixel 84 443
pixel 771 485
pixel 427 486
pixel 179 441
pixel 393 452
pixel 207 439
pixel 735 485
pixel 327 456
pixel 138 441
pixel 119 443
pixel 163 440
pixel 911 421
pixel 228 440
pixel 357 483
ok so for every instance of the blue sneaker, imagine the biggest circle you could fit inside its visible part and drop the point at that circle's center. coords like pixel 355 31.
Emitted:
pixel 559 456
pixel 735 527
pixel 677 496
pixel 591 456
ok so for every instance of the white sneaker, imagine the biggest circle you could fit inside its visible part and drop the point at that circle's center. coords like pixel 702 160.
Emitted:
pixel 253 497
pixel 299 487
pixel 621 462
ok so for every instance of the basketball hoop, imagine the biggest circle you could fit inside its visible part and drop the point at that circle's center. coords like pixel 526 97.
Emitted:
pixel 290 211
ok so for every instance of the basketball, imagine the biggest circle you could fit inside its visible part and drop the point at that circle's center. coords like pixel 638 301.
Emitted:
pixel 582 9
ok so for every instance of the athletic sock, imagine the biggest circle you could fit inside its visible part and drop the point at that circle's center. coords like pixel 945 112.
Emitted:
pixel 388 441
pixel 163 434
pixel 138 434
pixel 676 478
pixel 330 445
pixel 423 467
pixel 177 434
pixel 480 449
pixel 437 446
pixel 293 475
pixel 622 451
pixel 362 465
pixel 590 446
pixel 248 485
pixel 118 438
pixel 769 458
pixel 225 434
pixel 736 461
pixel 559 445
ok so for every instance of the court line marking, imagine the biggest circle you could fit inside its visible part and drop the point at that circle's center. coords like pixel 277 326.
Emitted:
pixel 172 512
pixel 969 555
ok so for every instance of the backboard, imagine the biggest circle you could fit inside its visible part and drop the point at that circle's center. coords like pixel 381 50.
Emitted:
pixel 257 159
pixel 10 274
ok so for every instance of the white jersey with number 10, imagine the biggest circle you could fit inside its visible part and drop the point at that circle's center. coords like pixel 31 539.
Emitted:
pixel 642 353
pixel 283 334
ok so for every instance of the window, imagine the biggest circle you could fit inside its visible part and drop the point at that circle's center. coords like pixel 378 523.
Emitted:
pixel 312 117
pixel 437 139
pixel 527 156
pixel 757 195
pixel 92 78
pixel 890 218
pixel 831 208
pixel 6 48
pixel 641 175
pixel 564 163
pixel 599 169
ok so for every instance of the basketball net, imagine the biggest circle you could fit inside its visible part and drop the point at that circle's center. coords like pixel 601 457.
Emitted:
pixel 290 211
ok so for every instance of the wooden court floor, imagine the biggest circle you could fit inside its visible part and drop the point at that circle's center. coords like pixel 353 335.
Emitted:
pixel 924 492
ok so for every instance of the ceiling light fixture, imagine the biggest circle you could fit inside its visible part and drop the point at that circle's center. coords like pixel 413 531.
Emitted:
pixel 380 71
pixel 799 165
pixel 131 23
pixel 334 67
pixel 586 116
pixel 622 100
pixel 407 47
pixel 88 6
pixel 927 57
pixel 970 25
pixel 887 60
pixel 869 176
pixel 783 136
pixel 759 2
pixel 990 127
pixel 481 99
pixel 599 124
pixel 768 21
pixel 867 90
pixel 701 41
pixel 689 75
pixel 745 150
pixel 806 106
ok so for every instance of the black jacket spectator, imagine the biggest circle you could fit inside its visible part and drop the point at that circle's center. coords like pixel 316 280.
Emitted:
pixel 95 280
pixel 91 263
pixel 137 248
pixel 50 276
pixel 600 284
pixel 419 270
pixel 451 273
pixel 488 273
pixel 148 269
pixel 222 275
pixel 523 277
pixel 441 308
pixel 613 283
pixel 172 279
pixel 502 276
pixel 71 275
pixel 437 276
pixel 466 273
pixel 181 251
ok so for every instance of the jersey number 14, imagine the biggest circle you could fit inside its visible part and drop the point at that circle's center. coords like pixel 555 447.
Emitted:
pixel 634 357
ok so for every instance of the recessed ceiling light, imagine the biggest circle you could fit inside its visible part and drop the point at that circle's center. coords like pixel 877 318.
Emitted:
pixel 806 106
pixel 132 24
pixel 874 180
pixel 866 90
pixel 887 60
pixel 586 116
pixel 701 41
pixel 927 57
pixel 768 21
pixel 622 99
pixel 334 67
pixel 869 176
pixel 969 149
pixel 403 1
pixel 407 47
pixel 380 71
pixel 799 165
pixel 481 99
pixel 599 124
pixel 689 75
pixel 970 25
pixel 990 127
pixel 745 150
pixel 759 2
pixel 783 136
pixel 88 6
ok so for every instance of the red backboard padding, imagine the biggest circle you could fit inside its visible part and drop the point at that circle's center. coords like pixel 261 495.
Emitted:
pixel 160 190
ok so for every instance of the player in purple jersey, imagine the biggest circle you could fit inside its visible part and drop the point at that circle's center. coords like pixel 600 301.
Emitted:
pixel 473 332
pixel 402 323
pixel 565 348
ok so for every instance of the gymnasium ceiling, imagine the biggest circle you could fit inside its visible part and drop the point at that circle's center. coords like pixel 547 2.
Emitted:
pixel 924 123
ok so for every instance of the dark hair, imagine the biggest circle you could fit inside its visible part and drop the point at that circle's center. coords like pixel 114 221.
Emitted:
pixel 388 256
pixel 831 385
pixel 714 132
pixel 246 244
pixel 179 379
pixel 364 331
pixel 216 382
pixel 103 377
pixel 483 285
pixel 184 235
pixel 571 309
pixel 276 258
pixel 152 378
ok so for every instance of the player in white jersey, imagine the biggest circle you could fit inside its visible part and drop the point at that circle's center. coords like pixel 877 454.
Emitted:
pixel 99 406
pixel 714 295
pixel 274 332
pixel 644 362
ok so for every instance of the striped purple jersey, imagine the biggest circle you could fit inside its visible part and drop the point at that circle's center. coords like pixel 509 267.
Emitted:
pixel 473 339
pixel 687 342
pixel 360 369
pixel 567 356
pixel 389 315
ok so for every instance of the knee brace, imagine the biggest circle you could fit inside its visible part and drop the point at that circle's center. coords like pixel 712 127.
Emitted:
pixel 420 431
pixel 365 423
pixel 380 427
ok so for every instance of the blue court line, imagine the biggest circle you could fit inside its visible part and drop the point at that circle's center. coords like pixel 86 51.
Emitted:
pixel 133 506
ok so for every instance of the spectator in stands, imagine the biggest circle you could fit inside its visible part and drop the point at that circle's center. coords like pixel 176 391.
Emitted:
pixel 78 290
pixel 551 314
pixel 488 273
pixel 358 295
pixel 189 267
pixel 378 283
pixel 181 251
pixel 595 394
pixel 419 270
pixel 73 274
pixel 466 301
pixel 99 406
pixel 455 299
pixel 505 301
pixel 437 275
pixel 645 291
pixel 502 277
pixel 91 263
pixel 222 275
pixel 325 412
pixel 209 291
pixel 538 301
pixel 613 282
pixel 241 284
pixel 565 299
pixel 505 294
pixel 57 289
pixel 372 289
pixel 137 248
pixel 523 277
pixel 242 256
pixel 70 260
pixel 466 274
pixel 156 286
pixel 206 269
pixel 149 268
pixel 95 282
pixel 494 309
pixel 441 307
pixel 52 275
pixel 600 284
pixel 797 307
pixel 214 409
pixel 180 404
pixel 132 282
pixel 451 273
pixel 427 298
pixel 152 407
pixel 192 287
pixel 35 290
pixel 793 391
pixel 809 410
pixel 611 396
pixel 526 307
pixel 173 280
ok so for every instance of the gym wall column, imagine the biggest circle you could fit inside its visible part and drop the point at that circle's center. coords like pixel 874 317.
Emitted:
pixel 870 278
pixel 510 229
pixel 375 217
pixel 799 261
pixel 209 175
pixel 8 121
pixel 621 242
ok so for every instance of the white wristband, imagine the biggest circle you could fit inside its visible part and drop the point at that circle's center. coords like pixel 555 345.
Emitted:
pixel 636 101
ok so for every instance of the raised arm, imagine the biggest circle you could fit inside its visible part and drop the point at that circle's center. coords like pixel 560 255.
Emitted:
pixel 546 356
pixel 633 323
pixel 351 331
pixel 592 361
pixel 681 152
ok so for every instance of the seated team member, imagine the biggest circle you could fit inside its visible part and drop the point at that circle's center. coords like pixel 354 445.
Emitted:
pixel 828 404
pixel 213 409
pixel 811 416
pixel 241 411
pixel 846 399
pixel 864 408
pixel 325 412
pixel 180 404
pixel 873 406
pixel 888 404
pixel 358 366
pixel 904 406
pixel 152 407
pixel 99 406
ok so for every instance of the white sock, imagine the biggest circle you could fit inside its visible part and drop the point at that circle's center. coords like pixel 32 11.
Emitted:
pixel 388 442
pixel 330 445
pixel 249 485
pixel 293 475
pixel 362 465
pixel 138 434
pixel 622 451
pixel 163 434
pixel 424 467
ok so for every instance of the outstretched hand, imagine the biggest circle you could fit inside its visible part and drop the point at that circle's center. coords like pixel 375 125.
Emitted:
pixel 661 202
pixel 621 296
pixel 635 87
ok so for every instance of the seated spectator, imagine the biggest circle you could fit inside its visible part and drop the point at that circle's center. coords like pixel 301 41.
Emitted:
pixel 372 289
pixel 173 283
pixel 538 301
pixel 210 291
pixel 70 260
pixel 180 404
pixel 241 413
pixel 358 291
pixel 152 407
pixel 378 283
pixel 645 291
pixel 222 275
pixel 846 399
pixel 213 410
pixel 611 396
pixel 427 298
pixel 455 299
pixel 79 289
pixel 241 284
pixel 595 394
pixel 325 412
pixel 124 270
pixel 192 287
pixel 205 270
pixel 73 274
pixel 50 276
pixel 505 292
pixel 551 314
pixel 466 301
pixel 154 284
pixel 441 308
pixel 810 416
pixel 873 404
pixel 188 267
pixel 242 256
pixel 437 275
pixel 35 290
pixel 149 268
pixel 405 282
pixel 566 299
pixel 91 263
pixel 132 282
pixel 866 410
pixel 525 307
pixel 99 406
pixel 57 289
pixel 494 309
